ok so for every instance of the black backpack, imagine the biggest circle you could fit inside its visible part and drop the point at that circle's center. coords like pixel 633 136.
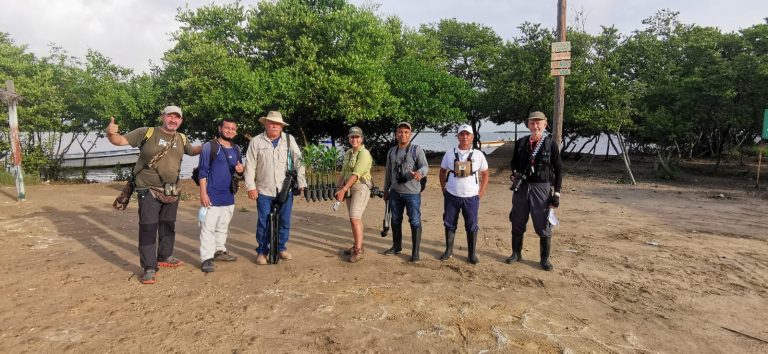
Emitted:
pixel 214 152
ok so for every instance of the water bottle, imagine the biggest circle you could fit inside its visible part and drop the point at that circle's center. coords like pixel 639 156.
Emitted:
pixel 201 216
pixel 336 206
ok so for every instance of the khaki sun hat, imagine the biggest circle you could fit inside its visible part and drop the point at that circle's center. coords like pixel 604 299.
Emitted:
pixel 273 116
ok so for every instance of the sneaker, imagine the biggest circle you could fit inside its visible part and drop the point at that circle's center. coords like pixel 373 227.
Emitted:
pixel 223 256
pixel 207 265
pixel 148 277
pixel 284 255
pixel 170 262
pixel 261 259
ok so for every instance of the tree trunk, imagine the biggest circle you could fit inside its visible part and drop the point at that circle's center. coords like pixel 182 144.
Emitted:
pixel 625 156
pixel 593 152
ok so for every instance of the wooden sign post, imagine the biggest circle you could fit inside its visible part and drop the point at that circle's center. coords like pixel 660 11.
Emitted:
pixel 11 98
pixel 560 68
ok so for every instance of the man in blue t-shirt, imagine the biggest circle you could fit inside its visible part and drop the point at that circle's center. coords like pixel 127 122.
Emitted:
pixel 217 193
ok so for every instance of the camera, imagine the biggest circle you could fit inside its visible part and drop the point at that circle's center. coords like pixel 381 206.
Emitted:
pixel 170 189
pixel 376 192
pixel 402 175
pixel 519 178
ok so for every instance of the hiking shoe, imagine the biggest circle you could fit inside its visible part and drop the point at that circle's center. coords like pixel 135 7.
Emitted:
pixel 148 277
pixel 284 255
pixel 170 262
pixel 261 259
pixel 207 265
pixel 223 256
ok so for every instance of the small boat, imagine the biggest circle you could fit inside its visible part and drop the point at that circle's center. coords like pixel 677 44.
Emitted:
pixel 492 143
pixel 102 158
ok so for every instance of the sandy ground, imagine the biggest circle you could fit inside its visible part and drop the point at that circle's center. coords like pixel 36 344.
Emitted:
pixel 657 267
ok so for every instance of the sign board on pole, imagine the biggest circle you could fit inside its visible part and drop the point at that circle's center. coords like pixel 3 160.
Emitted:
pixel 765 125
pixel 558 47
pixel 561 56
pixel 560 72
pixel 561 64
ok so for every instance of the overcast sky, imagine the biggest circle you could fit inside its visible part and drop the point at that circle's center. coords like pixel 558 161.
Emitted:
pixel 134 32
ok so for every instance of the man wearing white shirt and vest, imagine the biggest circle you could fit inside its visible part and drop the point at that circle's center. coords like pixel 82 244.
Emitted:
pixel 464 180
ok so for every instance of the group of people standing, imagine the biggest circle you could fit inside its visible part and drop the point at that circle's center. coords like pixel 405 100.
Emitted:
pixel 273 155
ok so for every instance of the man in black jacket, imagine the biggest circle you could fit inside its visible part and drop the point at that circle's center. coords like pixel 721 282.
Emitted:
pixel 538 178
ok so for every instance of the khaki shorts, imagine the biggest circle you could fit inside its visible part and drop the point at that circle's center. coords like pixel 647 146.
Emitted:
pixel 358 200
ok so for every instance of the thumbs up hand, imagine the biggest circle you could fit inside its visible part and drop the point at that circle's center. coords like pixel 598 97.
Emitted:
pixel 112 127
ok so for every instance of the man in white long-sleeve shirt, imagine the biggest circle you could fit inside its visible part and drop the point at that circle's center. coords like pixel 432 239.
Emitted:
pixel 269 156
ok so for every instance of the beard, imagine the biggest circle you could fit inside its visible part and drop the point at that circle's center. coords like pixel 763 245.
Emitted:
pixel 225 138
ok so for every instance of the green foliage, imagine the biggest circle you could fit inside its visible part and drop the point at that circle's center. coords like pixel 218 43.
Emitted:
pixel 469 50
pixel 519 81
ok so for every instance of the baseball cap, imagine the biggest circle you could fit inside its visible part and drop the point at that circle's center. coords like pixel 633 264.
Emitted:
pixel 355 131
pixel 404 124
pixel 537 116
pixel 172 109
pixel 465 128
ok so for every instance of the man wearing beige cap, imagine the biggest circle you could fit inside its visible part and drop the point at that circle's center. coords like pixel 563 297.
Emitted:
pixel 156 175
pixel 270 156
pixel 536 183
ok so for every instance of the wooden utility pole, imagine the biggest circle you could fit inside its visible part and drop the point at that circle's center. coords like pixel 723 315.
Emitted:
pixel 557 119
pixel 11 98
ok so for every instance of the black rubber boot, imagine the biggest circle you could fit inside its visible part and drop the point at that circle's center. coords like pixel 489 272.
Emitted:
pixel 416 238
pixel 397 240
pixel 545 243
pixel 517 249
pixel 472 245
pixel 450 236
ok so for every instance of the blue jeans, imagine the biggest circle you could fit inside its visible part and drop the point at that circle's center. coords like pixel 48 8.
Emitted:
pixel 410 202
pixel 264 207
pixel 468 206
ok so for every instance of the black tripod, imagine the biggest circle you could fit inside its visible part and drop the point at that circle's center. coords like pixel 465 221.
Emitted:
pixel 274 234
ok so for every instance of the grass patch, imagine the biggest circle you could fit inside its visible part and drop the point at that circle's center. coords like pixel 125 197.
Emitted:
pixel 9 178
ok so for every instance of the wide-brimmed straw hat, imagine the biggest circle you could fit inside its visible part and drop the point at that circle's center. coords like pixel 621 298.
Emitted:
pixel 273 116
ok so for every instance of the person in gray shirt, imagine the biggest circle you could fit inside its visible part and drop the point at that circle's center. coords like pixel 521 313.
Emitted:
pixel 405 179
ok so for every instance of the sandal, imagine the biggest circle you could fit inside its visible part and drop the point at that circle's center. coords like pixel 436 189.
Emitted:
pixel 357 255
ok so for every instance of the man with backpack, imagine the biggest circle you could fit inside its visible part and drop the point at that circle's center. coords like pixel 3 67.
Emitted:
pixel 536 182
pixel 156 176
pixel 404 181
pixel 271 159
pixel 219 169
pixel 464 180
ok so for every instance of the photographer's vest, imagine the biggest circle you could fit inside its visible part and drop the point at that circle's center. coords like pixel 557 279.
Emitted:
pixel 541 167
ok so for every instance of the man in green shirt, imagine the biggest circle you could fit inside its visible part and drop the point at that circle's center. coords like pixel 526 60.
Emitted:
pixel 157 173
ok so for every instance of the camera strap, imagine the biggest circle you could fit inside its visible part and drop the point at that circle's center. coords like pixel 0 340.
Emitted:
pixel 153 162
pixel 529 169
